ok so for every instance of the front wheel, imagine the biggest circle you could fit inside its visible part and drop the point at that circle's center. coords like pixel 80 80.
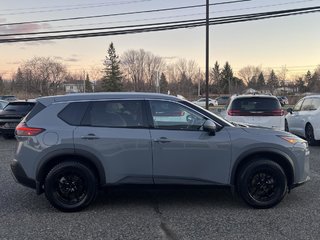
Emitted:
pixel 310 135
pixel 262 183
pixel 70 186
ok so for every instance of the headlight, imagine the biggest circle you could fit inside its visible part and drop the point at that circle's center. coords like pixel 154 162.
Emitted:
pixel 292 139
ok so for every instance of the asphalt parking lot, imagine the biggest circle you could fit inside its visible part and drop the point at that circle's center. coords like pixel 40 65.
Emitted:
pixel 165 214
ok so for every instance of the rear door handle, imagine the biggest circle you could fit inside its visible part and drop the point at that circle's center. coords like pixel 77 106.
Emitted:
pixel 90 136
pixel 162 140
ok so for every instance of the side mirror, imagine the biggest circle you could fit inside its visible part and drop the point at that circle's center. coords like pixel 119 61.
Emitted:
pixel 210 127
pixel 289 110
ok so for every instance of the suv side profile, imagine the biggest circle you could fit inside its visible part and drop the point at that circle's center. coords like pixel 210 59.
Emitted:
pixel 256 110
pixel 303 119
pixel 71 146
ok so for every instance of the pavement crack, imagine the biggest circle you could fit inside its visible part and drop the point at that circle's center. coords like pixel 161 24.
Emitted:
pixel 167 233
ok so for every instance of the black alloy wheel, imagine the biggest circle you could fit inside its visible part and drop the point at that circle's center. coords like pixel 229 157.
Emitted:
pixel 262 183
pixel 70 186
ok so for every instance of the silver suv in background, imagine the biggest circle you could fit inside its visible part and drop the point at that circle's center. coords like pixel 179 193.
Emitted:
pixel 71 146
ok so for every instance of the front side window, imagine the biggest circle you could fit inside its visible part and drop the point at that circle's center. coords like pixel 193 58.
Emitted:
pixel 307 105
pixel 297 107
pixel 174 116
pixel 115 113
pixel 315 104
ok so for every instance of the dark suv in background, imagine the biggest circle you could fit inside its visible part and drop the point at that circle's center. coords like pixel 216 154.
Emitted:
pixel 71 146
pixel 12 114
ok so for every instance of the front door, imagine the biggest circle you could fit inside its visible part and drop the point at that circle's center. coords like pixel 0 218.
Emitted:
pixel 182 152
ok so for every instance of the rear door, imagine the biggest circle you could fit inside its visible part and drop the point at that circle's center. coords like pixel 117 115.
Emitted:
pixel 294 119
pixel 115 131
pixel 182 152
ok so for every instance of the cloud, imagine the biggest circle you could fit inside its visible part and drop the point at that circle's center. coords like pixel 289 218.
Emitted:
pixel 2 20
pixel 73 58
pixel 23 28
pixel 45 42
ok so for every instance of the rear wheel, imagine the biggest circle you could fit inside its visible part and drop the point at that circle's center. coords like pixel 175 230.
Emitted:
pixel 70 186
pixel 310 135
pixel 262 183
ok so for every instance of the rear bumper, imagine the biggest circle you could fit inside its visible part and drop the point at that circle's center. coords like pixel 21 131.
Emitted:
pixel 20 175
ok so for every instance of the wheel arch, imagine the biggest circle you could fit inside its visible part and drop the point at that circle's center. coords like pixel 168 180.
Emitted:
pixel 84 157
pixel 277 156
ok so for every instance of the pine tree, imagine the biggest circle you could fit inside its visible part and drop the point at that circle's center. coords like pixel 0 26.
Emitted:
pixel 112 79
pixel 216 85
pixel 88 84
pixel 261 83
pixel 273 81
pixel 163 84
pixel 227 79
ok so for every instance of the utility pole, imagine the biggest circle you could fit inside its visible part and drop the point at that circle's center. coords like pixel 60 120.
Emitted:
pixel 207 54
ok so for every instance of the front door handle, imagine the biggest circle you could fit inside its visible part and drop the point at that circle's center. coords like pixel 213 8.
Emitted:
pixel 90 136
pixel 162 140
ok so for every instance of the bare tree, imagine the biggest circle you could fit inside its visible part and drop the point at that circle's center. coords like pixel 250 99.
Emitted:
pixel 249 73
pixel 141 68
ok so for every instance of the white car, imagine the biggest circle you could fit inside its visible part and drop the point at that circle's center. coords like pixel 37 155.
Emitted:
pixel 202 102
pixel 304 119
pixel 256 110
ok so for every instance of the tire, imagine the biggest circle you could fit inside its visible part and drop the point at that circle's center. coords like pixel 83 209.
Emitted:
pixel 286 126
pixel 70 186
pixel 262 183
pixel 310 135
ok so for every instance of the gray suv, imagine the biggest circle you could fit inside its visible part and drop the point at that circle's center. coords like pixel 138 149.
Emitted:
pixel 71 146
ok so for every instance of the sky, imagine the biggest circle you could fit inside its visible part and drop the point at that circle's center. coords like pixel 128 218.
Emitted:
pixel 291 42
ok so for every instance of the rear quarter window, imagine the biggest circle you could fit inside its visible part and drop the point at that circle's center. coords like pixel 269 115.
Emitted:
pixel 35 110
pixel 73 113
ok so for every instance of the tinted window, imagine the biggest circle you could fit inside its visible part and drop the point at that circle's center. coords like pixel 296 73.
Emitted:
pixel 115 113
pixel 255 104
pixel 169 115
pixel 19 107
pixel 73 113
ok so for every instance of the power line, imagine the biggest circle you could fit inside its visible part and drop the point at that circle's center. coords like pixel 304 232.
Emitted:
pixel 219 20
pixel 121 13
pixel 76 8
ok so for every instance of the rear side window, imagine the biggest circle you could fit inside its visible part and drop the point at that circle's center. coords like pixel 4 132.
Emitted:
pixel 255 104
pixel 116 113
pixel 316 103
pixel 73 113
pixel 35 110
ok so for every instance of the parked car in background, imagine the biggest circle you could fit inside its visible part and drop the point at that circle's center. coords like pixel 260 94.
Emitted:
pixel 223 100
pixel 12 114
pixel 304 119
pixel 256 110
pixel 283 100
pixel 8 97
pixel 3 103
pixel 71 146
pixel 202 102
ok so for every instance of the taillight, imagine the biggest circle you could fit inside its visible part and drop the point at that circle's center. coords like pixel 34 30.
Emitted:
pixel 234 113
pixel 278 112
pixel 23 130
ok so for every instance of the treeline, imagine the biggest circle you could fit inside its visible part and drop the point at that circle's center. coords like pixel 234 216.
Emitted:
pixel 140 70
